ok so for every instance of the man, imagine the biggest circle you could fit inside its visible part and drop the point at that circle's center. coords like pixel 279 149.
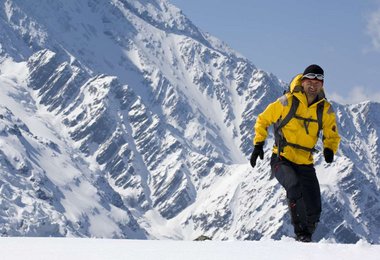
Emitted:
pixel 298 116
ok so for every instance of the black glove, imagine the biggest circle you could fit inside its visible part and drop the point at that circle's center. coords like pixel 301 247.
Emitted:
pixel 328 154
pixel 257 151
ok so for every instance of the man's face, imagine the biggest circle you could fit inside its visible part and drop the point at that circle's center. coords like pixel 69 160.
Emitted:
pixel 312 87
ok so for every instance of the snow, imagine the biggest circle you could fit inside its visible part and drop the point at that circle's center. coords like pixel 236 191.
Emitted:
pixel 90 248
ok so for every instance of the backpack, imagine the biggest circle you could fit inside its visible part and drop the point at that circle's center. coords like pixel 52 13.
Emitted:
pixel 280 141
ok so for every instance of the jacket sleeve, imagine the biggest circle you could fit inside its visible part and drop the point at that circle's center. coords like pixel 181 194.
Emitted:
pixel 331 137
pixel 270 115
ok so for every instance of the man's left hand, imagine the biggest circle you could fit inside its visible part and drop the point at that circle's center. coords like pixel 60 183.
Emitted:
pixel 329 155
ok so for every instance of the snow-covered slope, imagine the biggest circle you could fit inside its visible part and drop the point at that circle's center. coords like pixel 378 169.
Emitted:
pixel 102 249
pixel 122 119
pixel 47 189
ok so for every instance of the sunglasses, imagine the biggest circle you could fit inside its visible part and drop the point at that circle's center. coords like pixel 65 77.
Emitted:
pixel 313 76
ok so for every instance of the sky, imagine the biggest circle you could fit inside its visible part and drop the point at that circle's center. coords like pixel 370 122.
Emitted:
pixel 284 37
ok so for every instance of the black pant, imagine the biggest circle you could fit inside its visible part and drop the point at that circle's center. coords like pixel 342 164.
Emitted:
pixel 302 189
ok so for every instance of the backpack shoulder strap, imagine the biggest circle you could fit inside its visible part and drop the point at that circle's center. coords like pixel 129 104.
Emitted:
pixel 320 107
pixel 280 141
pixel 291 113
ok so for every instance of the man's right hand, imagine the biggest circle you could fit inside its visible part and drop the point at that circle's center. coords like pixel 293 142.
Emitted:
pixel 257 151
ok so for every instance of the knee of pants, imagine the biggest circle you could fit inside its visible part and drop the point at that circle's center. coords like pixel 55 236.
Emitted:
pixel 294 192
pixel 314 214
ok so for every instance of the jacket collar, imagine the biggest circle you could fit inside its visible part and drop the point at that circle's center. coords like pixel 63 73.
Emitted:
pixel 299 93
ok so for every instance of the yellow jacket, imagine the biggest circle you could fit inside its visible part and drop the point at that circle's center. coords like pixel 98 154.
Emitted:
pixel 294 131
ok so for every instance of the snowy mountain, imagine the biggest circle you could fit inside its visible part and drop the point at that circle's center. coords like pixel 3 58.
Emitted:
pixel 122 119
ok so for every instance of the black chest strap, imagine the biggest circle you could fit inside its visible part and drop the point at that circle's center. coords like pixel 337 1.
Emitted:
pixel 280 140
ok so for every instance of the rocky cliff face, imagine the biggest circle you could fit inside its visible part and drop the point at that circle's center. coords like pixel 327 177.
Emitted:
pixel 137 119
